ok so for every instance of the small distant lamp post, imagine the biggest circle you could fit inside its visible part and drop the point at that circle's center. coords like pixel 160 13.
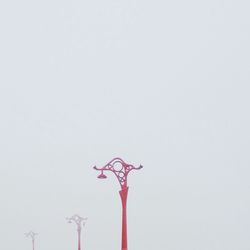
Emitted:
pixel 32 235
pixel 121 170
pixel 79 221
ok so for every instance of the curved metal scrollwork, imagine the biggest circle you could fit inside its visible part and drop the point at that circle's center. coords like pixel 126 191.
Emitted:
pixel 31 235
pixel 79 221
pixel 119 168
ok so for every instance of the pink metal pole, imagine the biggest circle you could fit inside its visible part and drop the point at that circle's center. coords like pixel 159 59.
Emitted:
pixel 79 221
pixel 121 170
pixel 33 244
pixel 79 237
pixel 124 195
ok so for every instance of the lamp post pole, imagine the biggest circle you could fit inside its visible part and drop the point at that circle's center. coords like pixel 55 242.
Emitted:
pixel 79 221
pixel 32 235
pixel 121 170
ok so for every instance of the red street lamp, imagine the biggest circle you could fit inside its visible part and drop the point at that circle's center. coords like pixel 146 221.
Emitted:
pixel 32 235
pixel 79 221
pixel 121 170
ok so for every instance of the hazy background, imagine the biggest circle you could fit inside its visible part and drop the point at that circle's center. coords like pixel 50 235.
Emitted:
pixel 160 83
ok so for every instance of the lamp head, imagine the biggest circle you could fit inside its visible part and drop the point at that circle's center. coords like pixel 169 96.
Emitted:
pixel 68 220
pixel 102 176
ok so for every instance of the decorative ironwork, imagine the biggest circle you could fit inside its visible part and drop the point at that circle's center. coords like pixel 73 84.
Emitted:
pixel 31 234
pixel 119 168
pixel 79 221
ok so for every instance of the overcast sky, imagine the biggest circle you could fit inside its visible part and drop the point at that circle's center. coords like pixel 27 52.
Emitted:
pixel 164 84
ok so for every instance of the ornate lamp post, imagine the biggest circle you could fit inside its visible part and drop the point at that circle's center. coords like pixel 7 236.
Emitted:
pixel 121 170
pixel 79 221
pixel 32 235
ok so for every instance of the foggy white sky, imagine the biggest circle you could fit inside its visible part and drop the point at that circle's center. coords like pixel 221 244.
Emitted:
pixel 164 84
